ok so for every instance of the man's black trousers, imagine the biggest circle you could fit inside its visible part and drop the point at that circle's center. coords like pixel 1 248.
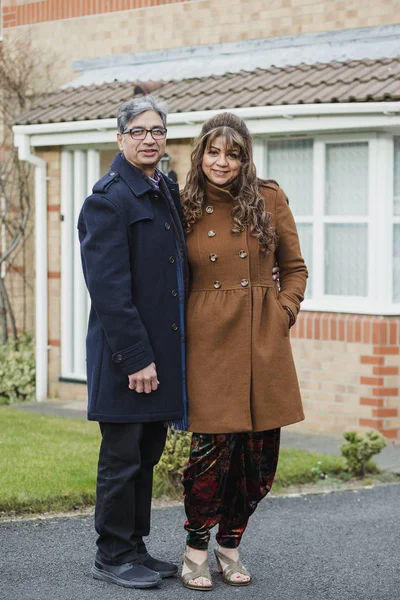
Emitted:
pixel 128 454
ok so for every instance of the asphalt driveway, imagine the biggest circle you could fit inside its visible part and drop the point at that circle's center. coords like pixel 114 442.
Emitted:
pixel 339 546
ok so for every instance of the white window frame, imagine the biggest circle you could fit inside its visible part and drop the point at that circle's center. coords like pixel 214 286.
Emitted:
pixel 80 169
pixel 395 219
pixel 380 221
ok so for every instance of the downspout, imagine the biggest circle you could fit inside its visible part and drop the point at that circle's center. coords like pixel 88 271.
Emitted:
pixel 22 142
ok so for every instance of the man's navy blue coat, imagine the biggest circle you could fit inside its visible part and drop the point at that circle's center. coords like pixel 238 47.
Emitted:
pixel 129 262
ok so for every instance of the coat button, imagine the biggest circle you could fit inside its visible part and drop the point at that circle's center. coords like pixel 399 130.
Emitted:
pixel 209 209
pixel 167 226
pixel 171 260
pixel 244 282
pixel 118 357
pixel 217 284
pixel 211 233
pixel 174 293
pixel 243 254
pixel 213 257
pixel 112 174
pixel 175 327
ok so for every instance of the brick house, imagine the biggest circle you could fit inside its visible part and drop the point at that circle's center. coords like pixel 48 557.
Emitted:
pixel 319 86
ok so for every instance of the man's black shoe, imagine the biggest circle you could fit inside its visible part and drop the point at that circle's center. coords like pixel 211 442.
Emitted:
pixel 131 575
pixel 166 569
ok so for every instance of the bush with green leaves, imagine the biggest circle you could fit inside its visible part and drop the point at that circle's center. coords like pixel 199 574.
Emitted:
pixel 168 472
pixel 359 449
pixel 17 370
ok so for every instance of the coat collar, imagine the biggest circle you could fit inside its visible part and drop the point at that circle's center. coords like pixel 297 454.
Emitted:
pixel 134 179
pixel 130 174
pixel 217 194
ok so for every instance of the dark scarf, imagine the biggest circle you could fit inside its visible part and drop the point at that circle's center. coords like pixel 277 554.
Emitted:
pixel 160 184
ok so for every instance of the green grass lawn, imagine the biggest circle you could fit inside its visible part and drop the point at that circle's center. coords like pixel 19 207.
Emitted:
pixel 46 463
pixel 298 467
pixel 49 463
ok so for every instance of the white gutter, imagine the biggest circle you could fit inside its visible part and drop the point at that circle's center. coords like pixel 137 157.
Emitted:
pixel 283 120
pixel 292 110
pixel 249 112
pixel 41 306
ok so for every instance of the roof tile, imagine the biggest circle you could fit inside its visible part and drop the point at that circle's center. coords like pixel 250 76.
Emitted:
pixel 351 81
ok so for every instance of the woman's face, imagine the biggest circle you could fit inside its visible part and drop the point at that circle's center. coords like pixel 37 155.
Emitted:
pixel 221 165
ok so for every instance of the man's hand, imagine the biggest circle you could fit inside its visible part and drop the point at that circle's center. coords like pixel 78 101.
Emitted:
pixel 275 273
pixel 145 380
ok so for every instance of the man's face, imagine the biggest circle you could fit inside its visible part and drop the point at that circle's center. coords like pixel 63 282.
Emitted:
pixel 143 154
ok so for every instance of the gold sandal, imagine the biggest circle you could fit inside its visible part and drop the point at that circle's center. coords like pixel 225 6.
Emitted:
pixel 233 566
pixel 195 572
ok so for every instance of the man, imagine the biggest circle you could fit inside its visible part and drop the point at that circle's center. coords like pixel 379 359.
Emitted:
pixel 134 263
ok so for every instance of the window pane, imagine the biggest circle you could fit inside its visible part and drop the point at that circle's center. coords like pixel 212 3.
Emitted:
pixel 306 241
pixel 397 176
pixel 290 163
pixel 346 259
pixel 396 263
pixel 346 179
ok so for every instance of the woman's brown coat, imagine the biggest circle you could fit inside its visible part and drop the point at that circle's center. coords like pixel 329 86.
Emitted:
pixel 240 371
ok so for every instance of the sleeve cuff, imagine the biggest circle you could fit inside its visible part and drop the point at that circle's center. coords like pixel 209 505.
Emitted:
pixel 292 319
pixel 290 305
pixel 134 358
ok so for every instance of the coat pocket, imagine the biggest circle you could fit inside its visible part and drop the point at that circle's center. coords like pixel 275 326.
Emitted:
pixel 283 316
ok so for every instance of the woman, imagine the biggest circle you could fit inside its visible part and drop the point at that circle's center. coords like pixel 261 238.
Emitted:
pixel 242 385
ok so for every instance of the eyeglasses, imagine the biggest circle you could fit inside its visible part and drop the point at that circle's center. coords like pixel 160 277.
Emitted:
pixel 140 133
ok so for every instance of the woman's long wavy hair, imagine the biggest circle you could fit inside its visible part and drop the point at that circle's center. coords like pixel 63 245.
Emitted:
pixel 249 206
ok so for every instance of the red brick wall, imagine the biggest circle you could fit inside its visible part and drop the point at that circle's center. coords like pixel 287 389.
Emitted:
pixel 64 31
pixel 218 20
pixel 40 11
pixel 349 371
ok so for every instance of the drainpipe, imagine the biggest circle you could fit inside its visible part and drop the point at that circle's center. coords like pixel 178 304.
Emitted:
pixel 22 142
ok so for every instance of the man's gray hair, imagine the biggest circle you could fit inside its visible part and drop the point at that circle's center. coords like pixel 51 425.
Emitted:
pixel 131 109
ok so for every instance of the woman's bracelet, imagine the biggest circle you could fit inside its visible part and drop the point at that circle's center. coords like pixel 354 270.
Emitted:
pixel 291 316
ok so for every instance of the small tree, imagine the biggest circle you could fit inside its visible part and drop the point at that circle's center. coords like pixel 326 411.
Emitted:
pixel 24 76
pixel 360 448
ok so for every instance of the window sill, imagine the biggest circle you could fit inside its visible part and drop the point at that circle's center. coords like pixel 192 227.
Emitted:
pixel 350 305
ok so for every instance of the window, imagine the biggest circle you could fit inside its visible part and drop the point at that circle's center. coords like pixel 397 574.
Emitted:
pixel 396 221
pixel 290 162
pixel 334 188
pixel 345 201
pixel 396 262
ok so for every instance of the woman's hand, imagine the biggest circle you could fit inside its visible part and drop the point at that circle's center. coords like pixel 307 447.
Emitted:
pixel 275 273
pixel 145 380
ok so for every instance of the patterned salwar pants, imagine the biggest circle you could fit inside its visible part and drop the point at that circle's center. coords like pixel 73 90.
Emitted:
pixel 226 477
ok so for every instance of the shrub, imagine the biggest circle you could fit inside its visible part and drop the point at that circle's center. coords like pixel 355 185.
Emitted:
pixel 169 470
pixel 360 447
pixel 17 370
